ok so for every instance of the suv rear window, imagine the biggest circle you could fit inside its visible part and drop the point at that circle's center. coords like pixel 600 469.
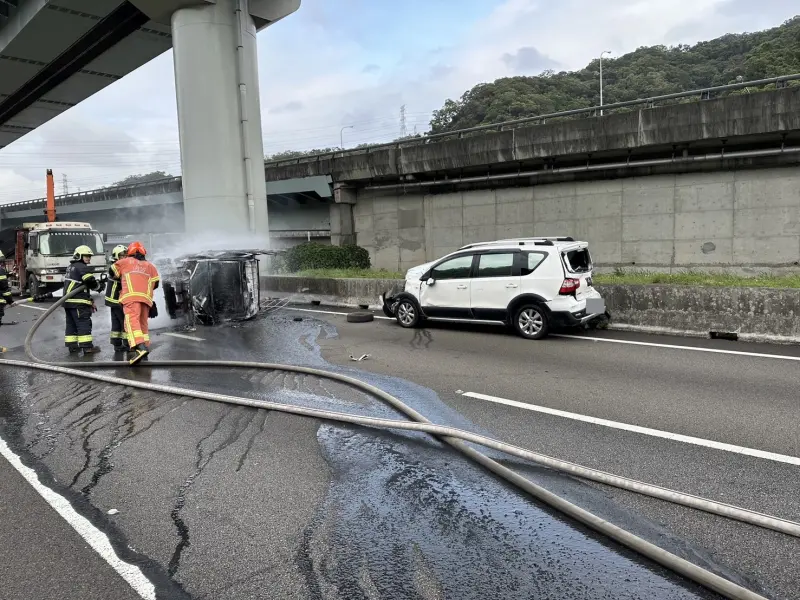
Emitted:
pixel 579 261
pixel 531 260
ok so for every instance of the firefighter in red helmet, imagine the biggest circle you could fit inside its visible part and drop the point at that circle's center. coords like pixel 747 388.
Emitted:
pixel 139 278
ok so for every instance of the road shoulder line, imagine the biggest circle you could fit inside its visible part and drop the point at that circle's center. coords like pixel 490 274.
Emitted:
pixel 586 338
pixel 94 537
pixel 676 437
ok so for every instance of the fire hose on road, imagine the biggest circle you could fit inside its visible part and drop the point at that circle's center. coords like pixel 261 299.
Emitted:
pixel 454 437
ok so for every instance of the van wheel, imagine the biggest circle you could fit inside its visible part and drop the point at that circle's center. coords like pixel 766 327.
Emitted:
pixel 407 314
pixel 530 322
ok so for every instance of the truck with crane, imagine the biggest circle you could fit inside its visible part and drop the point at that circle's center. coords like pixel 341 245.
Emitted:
pixel 38 255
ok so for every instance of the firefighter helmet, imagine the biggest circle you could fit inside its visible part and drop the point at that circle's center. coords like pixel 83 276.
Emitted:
pixel 136 248
pixel 118 252
pixel 82 251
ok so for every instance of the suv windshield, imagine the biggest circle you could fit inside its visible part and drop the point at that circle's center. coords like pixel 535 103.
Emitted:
pixel 63 243
pixel 578 261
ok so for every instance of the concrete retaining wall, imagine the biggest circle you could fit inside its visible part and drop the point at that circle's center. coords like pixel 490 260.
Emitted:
pixel 748 219
pixel 763 314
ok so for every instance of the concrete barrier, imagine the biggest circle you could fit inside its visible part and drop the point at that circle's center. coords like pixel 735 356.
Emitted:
pixel 753 314
pixel 331 292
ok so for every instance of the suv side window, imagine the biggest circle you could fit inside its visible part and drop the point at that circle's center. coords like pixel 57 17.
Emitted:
pixel 455 268
pixel 529 261
pixel 495 265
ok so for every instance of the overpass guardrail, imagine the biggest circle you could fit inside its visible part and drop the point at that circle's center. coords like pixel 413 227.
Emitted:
pixel 700 94
pixel 173 184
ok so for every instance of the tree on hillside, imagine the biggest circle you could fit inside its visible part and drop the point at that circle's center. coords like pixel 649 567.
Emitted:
pixel 132 179
pixel 648 71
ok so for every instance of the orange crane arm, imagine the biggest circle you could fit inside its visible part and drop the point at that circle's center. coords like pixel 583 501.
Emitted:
pixel 51 197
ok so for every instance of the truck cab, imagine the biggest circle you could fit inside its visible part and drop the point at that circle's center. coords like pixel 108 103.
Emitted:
pixel 43 253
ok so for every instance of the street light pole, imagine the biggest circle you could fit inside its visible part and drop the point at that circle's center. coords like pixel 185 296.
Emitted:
pixel 601 79
pixel 341 135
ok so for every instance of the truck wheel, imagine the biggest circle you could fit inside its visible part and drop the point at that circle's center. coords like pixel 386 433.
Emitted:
pixel 530 322
pixel 33 287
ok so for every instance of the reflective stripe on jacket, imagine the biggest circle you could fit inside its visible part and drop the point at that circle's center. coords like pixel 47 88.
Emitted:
pixel 138 277
pixel 79 273
pixel 5 292
pixel 113 288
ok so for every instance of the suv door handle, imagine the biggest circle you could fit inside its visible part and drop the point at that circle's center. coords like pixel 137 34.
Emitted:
pixel 511 285
pixel 461 287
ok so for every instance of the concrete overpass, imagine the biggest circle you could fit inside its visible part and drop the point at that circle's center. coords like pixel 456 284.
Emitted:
pixel 56 53
pixel 711 183
pixel 660 183
pixel 299 210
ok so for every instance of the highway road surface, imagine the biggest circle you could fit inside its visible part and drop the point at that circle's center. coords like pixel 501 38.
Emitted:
pixel 112 492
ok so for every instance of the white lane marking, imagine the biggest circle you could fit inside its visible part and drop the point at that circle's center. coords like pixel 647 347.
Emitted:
pixel 95 538
pixel 186 337
pixel 676 437
pixel 678 347
pixel 31 306
pixel 332 312
pixel 609 340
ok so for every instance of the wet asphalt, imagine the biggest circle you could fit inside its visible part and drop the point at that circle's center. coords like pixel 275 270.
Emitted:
pixel 225 502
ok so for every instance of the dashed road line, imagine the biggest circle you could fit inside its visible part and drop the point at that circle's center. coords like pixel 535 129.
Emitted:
pixel 32 306
pixel 675 437
pixel 185 337
pixel 94 537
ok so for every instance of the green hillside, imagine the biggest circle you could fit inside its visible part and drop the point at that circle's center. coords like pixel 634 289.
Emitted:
pixel 649 71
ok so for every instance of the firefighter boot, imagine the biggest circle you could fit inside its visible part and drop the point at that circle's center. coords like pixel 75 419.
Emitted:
pixel 139 353
pixel 92 350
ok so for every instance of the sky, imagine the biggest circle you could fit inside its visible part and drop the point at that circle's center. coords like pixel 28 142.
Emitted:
pixel 354 63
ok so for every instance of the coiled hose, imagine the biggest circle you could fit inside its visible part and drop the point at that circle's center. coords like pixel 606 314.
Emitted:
pixel 455 438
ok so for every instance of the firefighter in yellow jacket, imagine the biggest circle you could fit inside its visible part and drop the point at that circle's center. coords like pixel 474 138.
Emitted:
pixel 79 308
pixel 113 287
pixel 5 292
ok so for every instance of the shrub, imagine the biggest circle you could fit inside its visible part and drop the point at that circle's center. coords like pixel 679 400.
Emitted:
pixel 319 256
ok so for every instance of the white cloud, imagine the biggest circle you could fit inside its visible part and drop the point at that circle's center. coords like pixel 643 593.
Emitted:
pixel 316 77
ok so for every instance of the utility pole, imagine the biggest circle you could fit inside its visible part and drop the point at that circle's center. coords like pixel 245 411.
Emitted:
pixel 601 79
pixel 341 135
pixel 403 129
pixel 64 184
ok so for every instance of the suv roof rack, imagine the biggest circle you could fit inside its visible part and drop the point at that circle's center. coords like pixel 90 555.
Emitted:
pixel 536 241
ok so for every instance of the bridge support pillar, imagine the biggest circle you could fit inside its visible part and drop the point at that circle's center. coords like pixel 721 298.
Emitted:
pixel 219 123
pixel 343 231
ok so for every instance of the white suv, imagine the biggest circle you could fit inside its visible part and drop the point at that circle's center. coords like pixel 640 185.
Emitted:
pixel 530 284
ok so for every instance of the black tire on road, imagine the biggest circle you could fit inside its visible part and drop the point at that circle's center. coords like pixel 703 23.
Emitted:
pixel 407 314
pixel 530 322
pixel 33 288
pixel 360 317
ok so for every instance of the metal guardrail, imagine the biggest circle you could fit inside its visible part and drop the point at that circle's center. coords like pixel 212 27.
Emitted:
pixel 704 93
pixel 174 183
